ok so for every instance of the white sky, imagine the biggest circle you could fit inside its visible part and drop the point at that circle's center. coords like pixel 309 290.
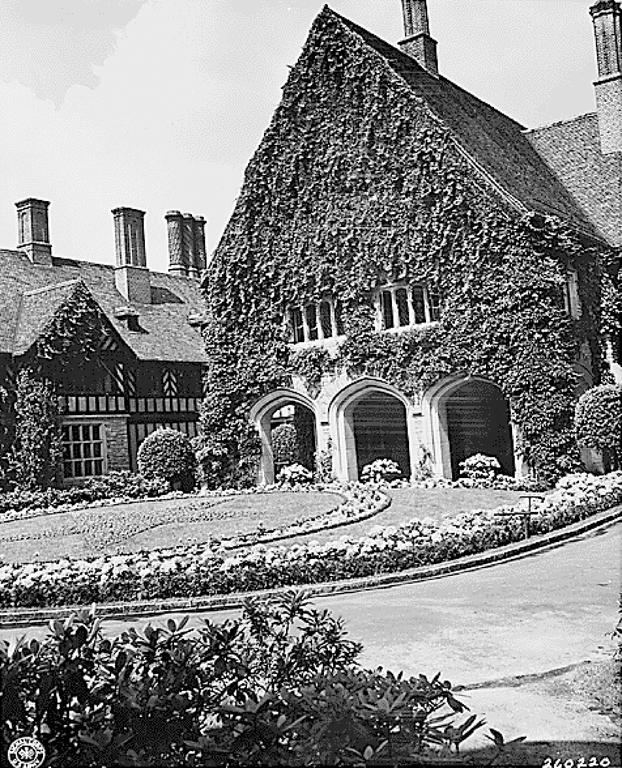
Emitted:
pixel 159 104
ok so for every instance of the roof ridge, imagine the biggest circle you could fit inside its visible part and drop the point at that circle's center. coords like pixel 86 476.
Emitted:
pixel 51 287
pixel 569 120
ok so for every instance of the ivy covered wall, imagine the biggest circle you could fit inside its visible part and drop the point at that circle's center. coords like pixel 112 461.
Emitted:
pixel 356 183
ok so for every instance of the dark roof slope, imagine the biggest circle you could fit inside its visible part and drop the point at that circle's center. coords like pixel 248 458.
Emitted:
pixel 165 332
pixel 494 142
pixel 572 150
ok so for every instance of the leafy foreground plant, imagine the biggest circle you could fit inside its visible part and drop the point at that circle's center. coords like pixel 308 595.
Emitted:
pixel 280 686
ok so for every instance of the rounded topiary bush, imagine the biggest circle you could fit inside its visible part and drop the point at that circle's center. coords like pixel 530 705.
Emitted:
pixel 167 455
pixel 598 423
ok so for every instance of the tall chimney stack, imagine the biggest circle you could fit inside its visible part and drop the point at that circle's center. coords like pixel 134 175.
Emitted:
pixel 186 244
pixel 131 275
pixel 33 232
pixel 418 43
pixel 189 243
pixel 607 18
pixel 175 226
pixel 200 251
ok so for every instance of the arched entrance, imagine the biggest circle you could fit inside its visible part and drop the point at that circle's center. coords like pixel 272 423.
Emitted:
pixel 369 420
pixel 468 416
pixel 380 431
pixel 287 425
pixel 478 421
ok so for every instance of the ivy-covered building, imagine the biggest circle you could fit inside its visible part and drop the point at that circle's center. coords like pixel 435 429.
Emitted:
pixel 411 274
pixel 121 344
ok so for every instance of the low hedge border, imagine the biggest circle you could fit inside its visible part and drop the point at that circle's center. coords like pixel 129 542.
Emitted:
pixel 21 617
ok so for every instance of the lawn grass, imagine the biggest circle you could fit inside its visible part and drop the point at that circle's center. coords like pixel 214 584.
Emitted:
pixel 409 503
pixel 153 524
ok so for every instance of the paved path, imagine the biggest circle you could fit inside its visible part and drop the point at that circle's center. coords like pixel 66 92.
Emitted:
pixel 549 610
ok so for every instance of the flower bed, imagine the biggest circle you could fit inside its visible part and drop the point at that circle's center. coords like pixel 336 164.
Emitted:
pixel 204 570
pixel 100 530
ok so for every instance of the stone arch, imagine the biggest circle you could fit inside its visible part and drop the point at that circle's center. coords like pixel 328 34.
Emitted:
pixel 346 434
pixel 481 423
pixel 261 415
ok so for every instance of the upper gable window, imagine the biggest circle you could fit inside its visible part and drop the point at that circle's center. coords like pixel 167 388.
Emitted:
pixel 315 322
pixel 402 306
pixel 572 302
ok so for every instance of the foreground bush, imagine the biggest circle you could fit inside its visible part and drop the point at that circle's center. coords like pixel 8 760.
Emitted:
pixel 203 570
pixel 167 454
pixel 116 485
pixel 280 686
pixel 598 423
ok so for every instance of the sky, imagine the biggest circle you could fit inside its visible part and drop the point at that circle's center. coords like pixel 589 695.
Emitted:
pixel 159 104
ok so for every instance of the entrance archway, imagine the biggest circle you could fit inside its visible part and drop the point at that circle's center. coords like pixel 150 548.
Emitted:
pixel 469 416
pixel 478 421
pixel 287 425
pixel 369 419
pixel 380 431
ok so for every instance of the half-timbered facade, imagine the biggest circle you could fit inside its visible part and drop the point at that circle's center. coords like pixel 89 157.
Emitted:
pixel 146 366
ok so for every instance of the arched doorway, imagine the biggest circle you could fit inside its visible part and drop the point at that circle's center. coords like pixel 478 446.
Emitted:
pixel 370 419
pixel 478 421
pixel 287 425
pixel 380 431
pixel 465 416
pixel 293 438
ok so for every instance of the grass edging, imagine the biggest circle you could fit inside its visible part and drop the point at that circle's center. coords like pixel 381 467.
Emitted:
pixel 28 616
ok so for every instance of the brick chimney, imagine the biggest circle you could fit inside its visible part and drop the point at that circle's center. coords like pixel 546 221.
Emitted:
pixel 607 18
pixel 200 251
pixel 418 43
pixel 131 275
pixel 33 233
pixel 186 244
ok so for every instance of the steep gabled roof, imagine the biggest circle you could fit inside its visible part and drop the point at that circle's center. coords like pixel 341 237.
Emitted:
pixel 29 294
pixel 36 310
pixel 572 150
pixel 495 144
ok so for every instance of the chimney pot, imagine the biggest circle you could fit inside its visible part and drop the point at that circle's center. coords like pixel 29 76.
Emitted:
pixel 33 230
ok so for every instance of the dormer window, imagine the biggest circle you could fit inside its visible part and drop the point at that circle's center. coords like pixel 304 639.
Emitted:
pixel 405 306
pixel 315 322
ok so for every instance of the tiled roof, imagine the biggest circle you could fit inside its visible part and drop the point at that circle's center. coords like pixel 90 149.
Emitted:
pixel 495 143
pixel 572 150
pixel 30 293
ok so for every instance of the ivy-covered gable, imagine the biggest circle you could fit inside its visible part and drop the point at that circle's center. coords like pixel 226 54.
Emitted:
pixel 358 182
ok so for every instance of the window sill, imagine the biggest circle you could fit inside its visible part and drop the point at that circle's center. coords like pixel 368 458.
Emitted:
pixel 319 343
pixel 406 328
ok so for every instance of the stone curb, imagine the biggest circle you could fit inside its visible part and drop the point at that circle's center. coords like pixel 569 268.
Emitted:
pixel 27 617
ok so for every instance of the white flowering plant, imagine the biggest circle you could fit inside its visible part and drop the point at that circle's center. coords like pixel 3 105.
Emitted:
pixel 381 471
pixel 294 474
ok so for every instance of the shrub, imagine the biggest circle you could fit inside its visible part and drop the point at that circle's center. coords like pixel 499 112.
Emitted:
pixel 295 474
pixel 279 686
pixel 37 450
pixel 598 423
pixel 381 471
pixel 168 455
pixel 480 469
pixel 285 444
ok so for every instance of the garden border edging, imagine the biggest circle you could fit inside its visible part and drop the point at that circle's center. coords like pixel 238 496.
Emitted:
pixel 27 617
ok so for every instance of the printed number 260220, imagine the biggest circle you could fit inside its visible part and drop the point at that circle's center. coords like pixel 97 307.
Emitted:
pixel 581 762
